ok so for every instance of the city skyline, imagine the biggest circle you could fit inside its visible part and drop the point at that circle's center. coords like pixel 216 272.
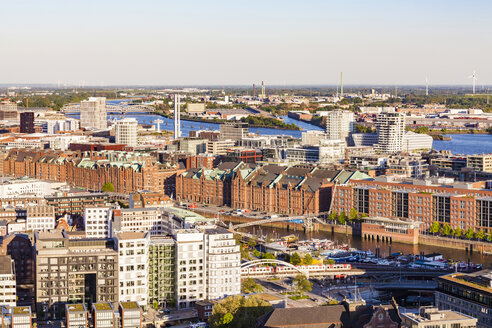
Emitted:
pixel 282 43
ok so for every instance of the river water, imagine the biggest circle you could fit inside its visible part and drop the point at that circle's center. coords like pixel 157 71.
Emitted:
pixel 465 144
pixel 385 248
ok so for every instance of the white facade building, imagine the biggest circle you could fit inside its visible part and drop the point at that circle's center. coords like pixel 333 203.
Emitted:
pixel 53 126
pixel 126 132
pixel 93 113
pixel 7 281
pixel 190 267
pixel 391 129
pixel 14 188
pixel 339 124
pixel 40 217
pixel 416 141
pixel 133 255
pixel 138 220
pixel 97 222
pixel 223 264
pixel 313 138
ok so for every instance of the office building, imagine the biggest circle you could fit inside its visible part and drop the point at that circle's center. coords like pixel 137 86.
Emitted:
pixel 480 162
pixel 52 126
pixel 27 122
pixel 76 203
pixel 220 147
pixel 126 132
pixel 391 129
pixel 223 264
pixel 233 131
pixel 190 268
pixel 97 221
pixel 133 254
pixel 162 272
pixel 468 294
pixel 75 316
pixel 430 317
pixel 93 113
pixel 416 141
pixel 73 271
pixel 195 108
pixel 7 281
pixel 339 124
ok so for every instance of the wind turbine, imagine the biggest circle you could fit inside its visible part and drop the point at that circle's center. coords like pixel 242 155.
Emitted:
pixel 474 80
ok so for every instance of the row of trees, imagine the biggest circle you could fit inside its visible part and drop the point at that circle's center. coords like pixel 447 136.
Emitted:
pixel 343 218
pixel 447 231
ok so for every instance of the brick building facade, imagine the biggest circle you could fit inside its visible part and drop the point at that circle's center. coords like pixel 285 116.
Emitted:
pixel 128 172
pixel 455 205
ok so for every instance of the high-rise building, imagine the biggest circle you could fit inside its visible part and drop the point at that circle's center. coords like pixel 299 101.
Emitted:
pixel 73 271
pixel 162 273
pixel 133 254
pixel 190 268
pixel 97 221
pixel 93 113
pixel 223 264
pixel 7 281
pixel 339 124
pixel 391 129
pixel 27 122
pixel 126 132
pixel 233 130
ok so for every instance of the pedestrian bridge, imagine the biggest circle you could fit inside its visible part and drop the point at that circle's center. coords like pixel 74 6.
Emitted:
pixel 308 219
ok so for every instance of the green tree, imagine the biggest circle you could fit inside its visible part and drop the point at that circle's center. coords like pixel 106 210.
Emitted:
pixel 251 243
pixel 352 215
pixel 256 253
pixel 108 187
pixel 238 312
pixel 469 233
pixel 250 286
pixel 489 236
pixel 268 256
pixel 308 259
pixel 342 219
pixel 480 235
pixel 332 217
pixel 244 252
pixel 457 232
pixel 295 259
pixel 155 304
pixel 328 261
pixel 302 284
pixel 435 227
pixel 446 230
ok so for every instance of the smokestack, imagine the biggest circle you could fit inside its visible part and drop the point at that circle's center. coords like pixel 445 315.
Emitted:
pixel 341 83
pixel 254 90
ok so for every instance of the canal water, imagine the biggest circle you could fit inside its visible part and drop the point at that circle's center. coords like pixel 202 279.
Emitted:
pixel 385 249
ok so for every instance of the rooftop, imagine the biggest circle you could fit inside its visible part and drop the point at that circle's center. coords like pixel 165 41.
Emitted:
pixel 22 310
pixel 102 306
pixel 130 235
pixel 75 307
pixel 129 306
pixel 481 280
pixel 5 264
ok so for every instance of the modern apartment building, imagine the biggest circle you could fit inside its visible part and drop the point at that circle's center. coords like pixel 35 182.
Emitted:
pixel 469 294
pixel 391 129
pixel 480 162
pixel 73 271
pixel 76 316
pixel 133 254
pixel 220 147
pixel 162 271
pixel 76 203
pixel 15 317
pixel 223 264
pixel 130 315
pixel 339 124
pixel 103 315
pixel 126 132
pixel 7 281
pixel 97 221
pixel 190 268
pixel 233 130
pixel 93 113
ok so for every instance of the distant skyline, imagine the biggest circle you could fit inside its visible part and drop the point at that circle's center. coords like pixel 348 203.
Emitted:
pixel 243 42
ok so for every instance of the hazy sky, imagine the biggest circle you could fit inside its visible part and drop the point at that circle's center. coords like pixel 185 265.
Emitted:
pixel 241 42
